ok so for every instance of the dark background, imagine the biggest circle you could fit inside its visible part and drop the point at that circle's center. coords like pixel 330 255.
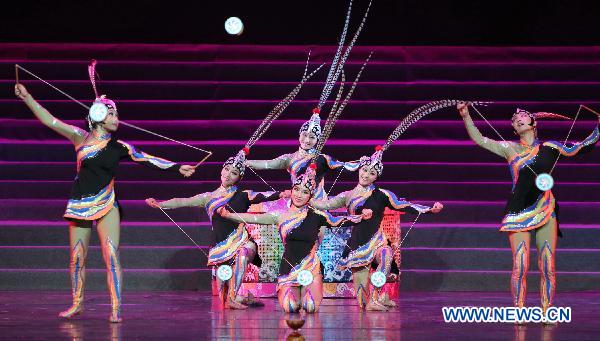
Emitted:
pixel 400 22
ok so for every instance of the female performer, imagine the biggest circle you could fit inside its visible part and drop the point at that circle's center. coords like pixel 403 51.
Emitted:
pixel 529 208
pixel 232 243
pixel 300 228
pixel 367 245
pixel 93 196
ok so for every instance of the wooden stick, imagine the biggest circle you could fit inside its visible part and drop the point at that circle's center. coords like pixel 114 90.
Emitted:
pixel 595 112
pixel 202 161
pixel 17 73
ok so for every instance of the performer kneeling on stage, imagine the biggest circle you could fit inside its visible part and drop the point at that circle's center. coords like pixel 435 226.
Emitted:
pixel 367 245
pixel 231 240
pixel 300 230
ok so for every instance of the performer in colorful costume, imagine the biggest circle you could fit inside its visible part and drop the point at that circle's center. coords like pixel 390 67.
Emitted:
pixel 300 227
pixel 300 230
pixel 368 245
pixel 93 197
pixel 232 244
pixel 310 132
pixel 529 208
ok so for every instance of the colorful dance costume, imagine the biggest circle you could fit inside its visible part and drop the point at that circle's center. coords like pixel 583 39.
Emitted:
pixel 93 197
pixel 297 162
pixel 229 239
pixel 299 230
pixel 367 240
pixel 528 207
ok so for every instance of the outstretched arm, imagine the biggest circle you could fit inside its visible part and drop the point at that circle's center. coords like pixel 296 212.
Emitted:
pixel 399 204
pixel 330 204
pixel 329 220
pixel 280 162
pixel 139 156
pixel 248 218
pixel 195 201
pixel 75 134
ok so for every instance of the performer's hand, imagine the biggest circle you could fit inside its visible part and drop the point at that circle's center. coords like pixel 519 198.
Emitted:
pixel 437 207
pixel 356 218
pixel 20 91
pixel 463 109
pixel 187 170
pixel 222 212
pixel 285 194
pixel 367 213
pixel 152 203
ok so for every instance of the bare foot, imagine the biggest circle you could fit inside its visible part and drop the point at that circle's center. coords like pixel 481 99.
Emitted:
pixel 386 301
pixel 249 300
pixel 232 304
pixel 74 310
pixel 375 306
pixel 115 316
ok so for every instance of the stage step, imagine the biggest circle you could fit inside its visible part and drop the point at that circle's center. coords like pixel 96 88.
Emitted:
pixel 239 108
pixel 163 232
pixel 189 257
pixel 412 190
pixel 393 170
pixel 417 150
pixel 454 211
pixel 28 129
pixel 199 279
pixel 291 71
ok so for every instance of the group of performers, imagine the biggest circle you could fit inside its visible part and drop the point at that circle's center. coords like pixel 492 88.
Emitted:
pixel 302 225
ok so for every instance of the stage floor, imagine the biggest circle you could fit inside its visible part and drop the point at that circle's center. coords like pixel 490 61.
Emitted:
pixel 196 315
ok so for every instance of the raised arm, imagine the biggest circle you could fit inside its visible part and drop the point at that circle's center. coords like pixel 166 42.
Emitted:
pixel 338 201
pixel 248 218
pixel 198 200
pixel 496 147
pixel 75 134
pixel 280 162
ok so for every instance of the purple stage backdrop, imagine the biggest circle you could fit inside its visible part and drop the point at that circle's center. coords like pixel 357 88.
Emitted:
pixel 214 96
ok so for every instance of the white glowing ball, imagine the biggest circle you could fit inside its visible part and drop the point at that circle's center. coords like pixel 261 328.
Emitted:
pixel 224 272
pixel 305 278
pixel 98 112
pixel 234 26
pixel 378 279
pixel 544 182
